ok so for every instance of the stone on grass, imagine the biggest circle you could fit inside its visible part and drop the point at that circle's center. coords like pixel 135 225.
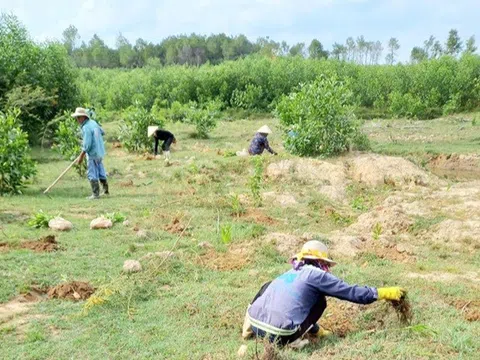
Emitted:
pixel 205 245
pixel 60 224
pixel 242 351
pixel 126 223
pixel 132 266
pixel 101 223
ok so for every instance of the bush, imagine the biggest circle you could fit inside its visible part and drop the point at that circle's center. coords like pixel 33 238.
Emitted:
pixel 318 119
pixel 68 141
pixel 204 119
pixel 133 130
pixel 16 166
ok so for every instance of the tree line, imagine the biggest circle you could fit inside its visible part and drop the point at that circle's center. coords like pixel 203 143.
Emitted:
pixel 197 50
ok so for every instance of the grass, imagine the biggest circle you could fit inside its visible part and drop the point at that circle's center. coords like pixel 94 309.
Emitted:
pixel 186 309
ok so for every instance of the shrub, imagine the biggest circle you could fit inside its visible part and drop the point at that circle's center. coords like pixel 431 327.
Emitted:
pixel 16 166
pixel 40 220
pixel 318 118
pixel 204 118
pixel 133 130
pixel 249 99
pixel 68 141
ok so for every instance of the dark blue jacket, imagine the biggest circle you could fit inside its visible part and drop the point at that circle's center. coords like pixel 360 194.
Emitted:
pixel 259 144
pixel 286 303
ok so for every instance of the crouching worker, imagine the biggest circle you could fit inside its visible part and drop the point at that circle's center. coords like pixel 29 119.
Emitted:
pixel 260 142
pixel 291 305
pixel 166 136
pixel 94 149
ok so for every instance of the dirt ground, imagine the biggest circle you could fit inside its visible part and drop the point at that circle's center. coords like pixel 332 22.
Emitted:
pixel 75 290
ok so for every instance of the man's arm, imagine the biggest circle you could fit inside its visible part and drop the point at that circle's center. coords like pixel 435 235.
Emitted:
pixel 333 286
pixel 81 157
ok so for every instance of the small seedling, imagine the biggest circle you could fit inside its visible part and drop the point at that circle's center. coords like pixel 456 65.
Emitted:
pixel 377 231
pixel 116 217
pixel 236 205
pixel 40 220
pixel 226 234
pixel 256 180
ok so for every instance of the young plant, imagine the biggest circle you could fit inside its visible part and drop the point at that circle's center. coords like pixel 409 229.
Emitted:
pixel 133 129
pixel 236 206
pixel 226 234
pixel 377 231
pixel 16 166
pixel 68 141
pixel 256 180
pixel 204 118
pixel 40 220
pixel 116 217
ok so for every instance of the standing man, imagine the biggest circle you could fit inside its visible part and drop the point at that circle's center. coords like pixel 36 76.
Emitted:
pixel 166 136
pixel 94 148
pixel 260 142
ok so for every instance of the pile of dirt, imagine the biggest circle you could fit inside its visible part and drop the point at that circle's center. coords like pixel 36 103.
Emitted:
pixel 75 290
pixel 459 235
pixel 4 247
pixel 456 162
pixel 344 245
pixel 469 309
pixel 376 170
pixel 176 227
pixel 386 221
pixel 330 177
pixel 283 200
pixel 286 244
pixel 235 258
pixel 45 244
pixel 340 317
pixel 257 216
pixel 126 183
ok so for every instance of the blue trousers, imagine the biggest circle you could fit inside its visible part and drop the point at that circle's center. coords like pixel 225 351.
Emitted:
pixel 95 170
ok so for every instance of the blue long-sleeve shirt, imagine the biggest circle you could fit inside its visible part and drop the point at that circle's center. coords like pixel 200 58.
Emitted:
pixel 288 300
pixel 259 144
pixel 93 139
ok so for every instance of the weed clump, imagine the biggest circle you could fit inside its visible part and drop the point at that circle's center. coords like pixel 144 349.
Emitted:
pixel 403 308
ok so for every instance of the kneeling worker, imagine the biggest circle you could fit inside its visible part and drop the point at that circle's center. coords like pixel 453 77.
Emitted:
pixel 290 306
pixel 260 142
pixel 94 149
pixel 166 136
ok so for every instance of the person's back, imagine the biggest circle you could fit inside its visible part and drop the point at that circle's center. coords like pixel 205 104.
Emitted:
pixel 93 139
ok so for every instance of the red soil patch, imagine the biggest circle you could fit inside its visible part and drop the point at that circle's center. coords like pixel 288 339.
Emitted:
pixel 175 227
pixel 46 244
pixel 469 309
pixel 75 290
pixel 4 247
pixel 258 216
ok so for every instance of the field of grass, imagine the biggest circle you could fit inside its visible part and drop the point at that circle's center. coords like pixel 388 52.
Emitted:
pixel 192 305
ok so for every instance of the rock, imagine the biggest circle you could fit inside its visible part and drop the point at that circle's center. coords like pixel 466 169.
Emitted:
pixel 405 249
pixel 242 351
pixel 126 223
pixel 142 234
pixel 132 266
pixel 101 223
pixel 205 245
pixel 60 224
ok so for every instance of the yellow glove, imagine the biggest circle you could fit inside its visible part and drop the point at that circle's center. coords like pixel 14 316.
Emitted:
pixel 391 293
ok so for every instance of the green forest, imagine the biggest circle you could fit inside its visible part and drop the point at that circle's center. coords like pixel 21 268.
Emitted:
pixel 45 79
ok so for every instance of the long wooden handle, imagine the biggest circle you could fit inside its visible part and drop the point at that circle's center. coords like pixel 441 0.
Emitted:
pixel 61 175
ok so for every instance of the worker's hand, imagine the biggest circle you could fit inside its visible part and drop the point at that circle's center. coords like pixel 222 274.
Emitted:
pixel 391 293
pixel 80 160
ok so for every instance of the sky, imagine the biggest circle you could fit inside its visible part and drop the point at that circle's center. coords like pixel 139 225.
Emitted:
pixel 410 21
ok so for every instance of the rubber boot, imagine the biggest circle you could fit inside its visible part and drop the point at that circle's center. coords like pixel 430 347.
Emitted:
pixel 105 187
pixel 95 190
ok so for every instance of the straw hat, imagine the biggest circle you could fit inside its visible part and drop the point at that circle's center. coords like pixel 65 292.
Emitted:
pixel 151 130
pixel 314 250
pixel 80 112
pixel 264 130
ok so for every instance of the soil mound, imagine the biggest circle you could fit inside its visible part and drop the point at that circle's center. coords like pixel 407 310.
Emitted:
pixel 286 244
pixel 376 170
pixel 45 244
pixel 330 177
pixel 75 290
pixel 456 162
pixel 175 227
pixel 235 258
pixel 284 200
